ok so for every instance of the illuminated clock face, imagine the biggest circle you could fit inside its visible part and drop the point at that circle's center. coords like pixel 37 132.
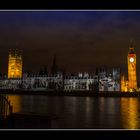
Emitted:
pixel 131 59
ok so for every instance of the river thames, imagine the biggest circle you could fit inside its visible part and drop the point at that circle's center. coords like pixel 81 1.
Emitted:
pixel 71 112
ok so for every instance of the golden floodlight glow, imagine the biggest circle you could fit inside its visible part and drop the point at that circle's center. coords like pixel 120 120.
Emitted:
pixel 15 65
pixel 15 101
pixel 130 85
pixel 132 78
pixel 131 90
pixel 124 84
pixel 130 113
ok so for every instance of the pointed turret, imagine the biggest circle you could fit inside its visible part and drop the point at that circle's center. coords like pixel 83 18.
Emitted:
pixel 131 48
pixel 54 69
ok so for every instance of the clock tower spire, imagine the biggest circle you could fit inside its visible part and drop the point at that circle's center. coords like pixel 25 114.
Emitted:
pixel 131 59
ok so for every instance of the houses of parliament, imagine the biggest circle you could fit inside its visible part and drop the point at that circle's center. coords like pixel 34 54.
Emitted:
pixel 105 79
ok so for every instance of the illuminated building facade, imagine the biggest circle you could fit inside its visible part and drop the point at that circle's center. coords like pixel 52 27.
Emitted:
pixel 124 84
pixel 109 79
pixel 105 78
pixel 130 85
pixel 132 78
pixel 82 81
pixel 15 65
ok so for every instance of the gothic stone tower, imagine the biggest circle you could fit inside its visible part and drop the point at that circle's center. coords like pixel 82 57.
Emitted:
pixel 132 77
pixel 15 64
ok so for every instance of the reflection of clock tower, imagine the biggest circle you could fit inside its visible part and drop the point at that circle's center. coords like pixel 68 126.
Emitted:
pixel 132 78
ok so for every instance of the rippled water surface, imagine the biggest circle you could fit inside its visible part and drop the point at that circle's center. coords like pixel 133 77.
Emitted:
pixel 82 112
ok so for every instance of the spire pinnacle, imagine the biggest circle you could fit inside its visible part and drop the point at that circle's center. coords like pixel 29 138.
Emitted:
pixel 131 48
pixel 131 44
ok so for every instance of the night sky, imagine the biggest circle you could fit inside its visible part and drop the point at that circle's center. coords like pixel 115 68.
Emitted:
pixel 81 40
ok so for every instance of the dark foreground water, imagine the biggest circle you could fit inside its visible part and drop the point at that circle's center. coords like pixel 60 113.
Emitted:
pixel 82 112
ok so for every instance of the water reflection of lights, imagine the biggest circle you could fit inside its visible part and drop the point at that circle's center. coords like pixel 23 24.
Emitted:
pixel 129 113
pixel 111 105
pixel 88 105
pixel 15 102
pixel 107 104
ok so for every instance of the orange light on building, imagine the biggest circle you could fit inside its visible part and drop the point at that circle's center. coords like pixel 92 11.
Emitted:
pixel 132 78
pixel 15 65
pixel 124 84
pixel 130 85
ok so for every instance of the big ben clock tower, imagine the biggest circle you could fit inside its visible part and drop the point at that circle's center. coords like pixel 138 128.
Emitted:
pixel 132 77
